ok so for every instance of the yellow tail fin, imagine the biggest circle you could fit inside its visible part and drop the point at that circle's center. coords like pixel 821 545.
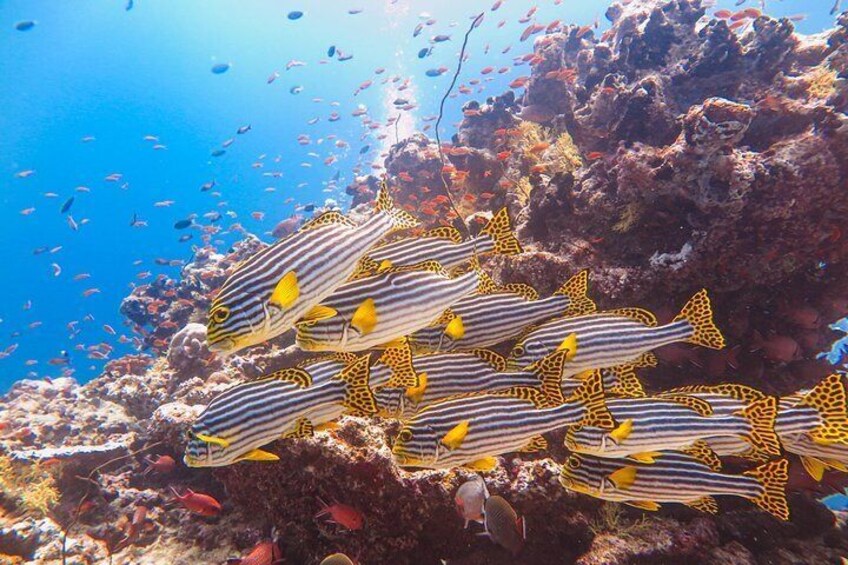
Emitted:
pixel 591 394
pixel 576 289
pixel 762 415
pixel 401 220
pixel 828 398
pixel 772 477
pixel 359 399
pixel 549 370
pixel 699 313
pixel 500 230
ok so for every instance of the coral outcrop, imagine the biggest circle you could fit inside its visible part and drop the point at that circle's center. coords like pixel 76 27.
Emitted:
pixel 670 153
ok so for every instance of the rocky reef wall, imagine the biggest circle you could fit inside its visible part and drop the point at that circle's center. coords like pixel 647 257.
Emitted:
pixel 665 155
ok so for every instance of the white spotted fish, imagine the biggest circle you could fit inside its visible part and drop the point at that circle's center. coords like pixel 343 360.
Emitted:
pixel 617 337
pixel 687 478
pixel 496 314
pixel 383 308
pixel 444 245
pixel 285 282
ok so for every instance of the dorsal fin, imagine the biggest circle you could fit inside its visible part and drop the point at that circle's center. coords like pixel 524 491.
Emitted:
pixel 294 375
pixel 444 232
pixel 327 218
pixel 525 290
pixel 493 358
pixel 744 393
pixel 366 267
pixel 627 384
pixel 576 289
pixel 639 314
pixel 699 405
pixel 345 357
pixel 534 395
pixel 428 266
pixel 486 285
pixel 701 451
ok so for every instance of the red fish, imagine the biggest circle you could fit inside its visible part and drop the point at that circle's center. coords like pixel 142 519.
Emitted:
pixel 198 503
pixel 265 553
pixel 163 464
pixel 777 348
pixel 342 514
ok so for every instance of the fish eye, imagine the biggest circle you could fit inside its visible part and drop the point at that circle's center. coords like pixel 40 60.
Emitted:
pixel 220 314
pixel 405 435
pixel 518 350
pixel 573 463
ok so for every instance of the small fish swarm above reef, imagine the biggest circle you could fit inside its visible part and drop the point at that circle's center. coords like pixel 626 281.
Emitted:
pixel 663 157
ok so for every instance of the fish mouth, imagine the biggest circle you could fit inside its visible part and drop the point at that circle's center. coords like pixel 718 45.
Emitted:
pixel 192 461
pixel 224 347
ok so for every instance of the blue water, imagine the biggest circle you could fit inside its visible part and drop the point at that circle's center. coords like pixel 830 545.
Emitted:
pixel 96 69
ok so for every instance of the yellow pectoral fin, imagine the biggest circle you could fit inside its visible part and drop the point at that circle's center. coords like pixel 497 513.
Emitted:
pixel 645 457
pixel 644 504
pixel 365 317
pixel 455 328
pixel 416 393
pixel 814 467
pixel 623 430
pixel 484 464
pixel 286 292
pixel 318 313
pixel 258 455
pixel 454 438
pixel 623 478
pixel 384 265
pixel 213 439
pixel 569 344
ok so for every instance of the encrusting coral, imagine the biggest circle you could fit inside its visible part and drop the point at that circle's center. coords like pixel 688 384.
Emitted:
pixel 670 152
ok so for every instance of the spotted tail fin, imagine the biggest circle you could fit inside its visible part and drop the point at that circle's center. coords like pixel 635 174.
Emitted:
pixel 761 415
pixel 772 477
pixel 359 399
pixel 576 289
pixel 500 230
pixel 401 219
pixel 591 394
pixel 828 398
pixel 699 313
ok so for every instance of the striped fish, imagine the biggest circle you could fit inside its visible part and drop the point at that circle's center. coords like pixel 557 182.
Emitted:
pixel 444 245
pixel 816 457
pixel 286 281
pixel 617 337
pixel 647 426
pixel 384 308
pixel 441 375
pixel 496 314
pixel 472 429
pixel 287 403
pixel 821 413
pixel 691 478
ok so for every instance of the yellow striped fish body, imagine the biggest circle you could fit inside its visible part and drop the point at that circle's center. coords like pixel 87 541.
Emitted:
pixel 444 245
pixel 284 282
pixel 380 309
pixel 676 477
pixel 286 403
pixel 473 428
pixel 443 375
pixel 496 314
pixel 650 425
pixel 821 412
pixel 617 337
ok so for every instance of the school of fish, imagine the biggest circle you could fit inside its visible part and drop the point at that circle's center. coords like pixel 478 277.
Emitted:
pixel 406 322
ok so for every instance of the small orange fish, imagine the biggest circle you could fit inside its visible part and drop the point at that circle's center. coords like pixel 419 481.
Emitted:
pixel 406 177
pixel 594 155
pixel 519 82
pixel 539 147
pixel 198 503
pixel 264 553
pixel 504 155
pixel 342 514
pixel 163 464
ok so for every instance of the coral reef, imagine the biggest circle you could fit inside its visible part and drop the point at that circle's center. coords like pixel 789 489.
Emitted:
pixel 667 154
